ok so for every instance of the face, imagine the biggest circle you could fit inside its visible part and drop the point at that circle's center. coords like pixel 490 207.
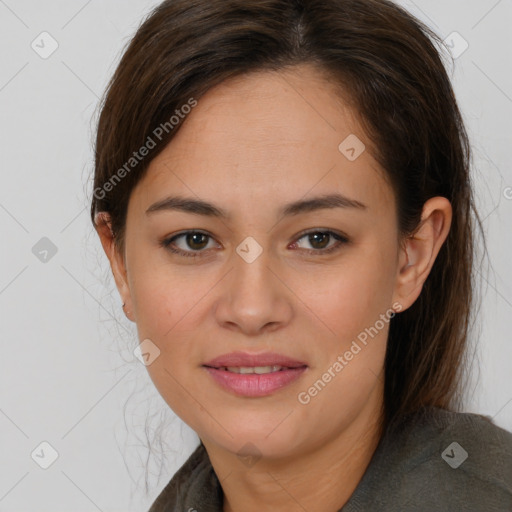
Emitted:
pixel 315 283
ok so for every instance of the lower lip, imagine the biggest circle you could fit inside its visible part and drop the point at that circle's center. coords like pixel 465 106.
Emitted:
pixel 252 384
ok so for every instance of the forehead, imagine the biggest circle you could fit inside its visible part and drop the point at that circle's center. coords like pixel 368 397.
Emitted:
pixel 268 136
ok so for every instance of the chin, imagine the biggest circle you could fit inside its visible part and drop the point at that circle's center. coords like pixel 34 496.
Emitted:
pixel 250 441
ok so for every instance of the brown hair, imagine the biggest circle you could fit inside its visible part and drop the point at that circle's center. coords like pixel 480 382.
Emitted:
pixel 388 63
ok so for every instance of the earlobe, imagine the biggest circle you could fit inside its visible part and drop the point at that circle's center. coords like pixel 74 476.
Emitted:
pixel 419 251
pixel 117 265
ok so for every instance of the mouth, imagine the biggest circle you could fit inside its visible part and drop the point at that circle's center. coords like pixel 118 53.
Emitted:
pixel 254 375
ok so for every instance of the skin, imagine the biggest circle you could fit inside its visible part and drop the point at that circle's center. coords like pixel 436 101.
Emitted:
pixel 250 146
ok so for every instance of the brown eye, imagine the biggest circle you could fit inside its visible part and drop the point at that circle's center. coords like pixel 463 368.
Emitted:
pixel 191 242
pixel 319 241
pixel 196 240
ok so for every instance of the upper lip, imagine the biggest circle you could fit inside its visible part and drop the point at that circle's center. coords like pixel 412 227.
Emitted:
pixel 251 360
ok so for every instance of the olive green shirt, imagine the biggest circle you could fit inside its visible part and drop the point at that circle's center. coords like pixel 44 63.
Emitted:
pixel 435 461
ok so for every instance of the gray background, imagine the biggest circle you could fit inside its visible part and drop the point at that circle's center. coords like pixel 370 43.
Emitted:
pixel 67 370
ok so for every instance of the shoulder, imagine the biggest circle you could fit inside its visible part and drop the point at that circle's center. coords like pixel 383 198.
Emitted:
pixel 476 430
pixel 469 441
pixel 440 460
pixel 193 487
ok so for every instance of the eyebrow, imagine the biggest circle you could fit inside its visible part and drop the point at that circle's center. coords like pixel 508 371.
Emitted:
pixel 199 207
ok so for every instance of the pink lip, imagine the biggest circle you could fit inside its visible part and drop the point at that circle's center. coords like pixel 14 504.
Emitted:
pixel 254 385
pixel 247 359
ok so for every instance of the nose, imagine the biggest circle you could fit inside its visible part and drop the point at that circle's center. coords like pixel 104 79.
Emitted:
pixel 254 298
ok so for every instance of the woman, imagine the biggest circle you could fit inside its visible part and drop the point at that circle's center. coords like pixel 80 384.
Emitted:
pixel 282 189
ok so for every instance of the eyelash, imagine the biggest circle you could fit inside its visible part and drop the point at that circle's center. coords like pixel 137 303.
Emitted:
pixel 342 240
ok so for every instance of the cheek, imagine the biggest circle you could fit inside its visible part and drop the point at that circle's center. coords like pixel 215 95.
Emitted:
pixel 157 307
pixel 165 296
pixel 354 303
pixel 352 296
pixel 172 311
pixel 166 306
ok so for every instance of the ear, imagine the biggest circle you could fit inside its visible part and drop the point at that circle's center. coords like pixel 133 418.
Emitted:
pixel 117 263
pixel 419 251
